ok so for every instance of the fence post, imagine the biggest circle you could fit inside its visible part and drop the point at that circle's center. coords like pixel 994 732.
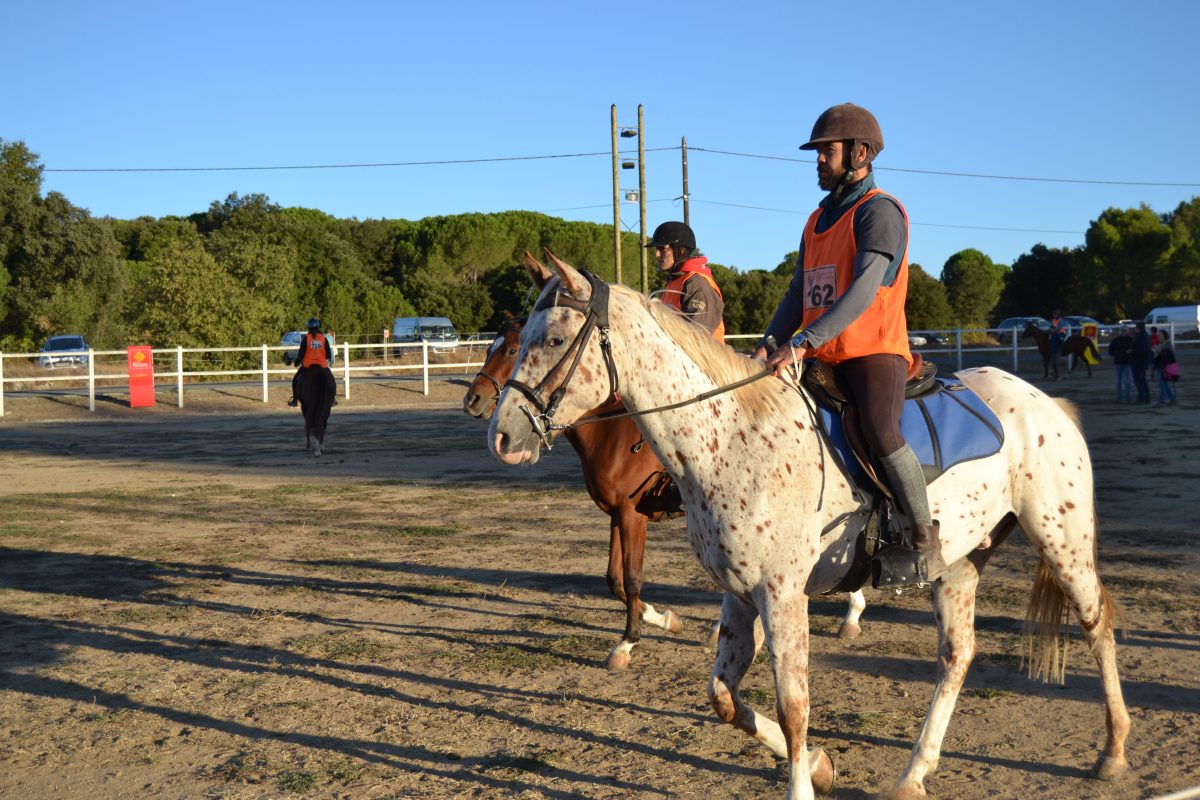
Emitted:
pixel 1016 339
pixel 179 374
pixel 346 369
pixel 425 367
pixel 91 379
pixel 1 384
pixel 264 373
pixel 958 348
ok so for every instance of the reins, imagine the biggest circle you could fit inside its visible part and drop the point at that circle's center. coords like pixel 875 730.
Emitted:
pixel 729 387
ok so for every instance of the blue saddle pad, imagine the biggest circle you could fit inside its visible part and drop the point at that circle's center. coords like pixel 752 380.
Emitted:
pixel 944 428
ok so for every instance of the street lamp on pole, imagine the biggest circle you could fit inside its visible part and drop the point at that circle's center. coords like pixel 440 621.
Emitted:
pixel 639 195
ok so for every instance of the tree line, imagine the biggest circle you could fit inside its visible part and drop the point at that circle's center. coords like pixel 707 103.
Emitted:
pixel 245 270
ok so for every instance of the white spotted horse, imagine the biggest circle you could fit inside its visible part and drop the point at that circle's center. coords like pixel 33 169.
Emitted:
pixel 774 523
pixel 624 479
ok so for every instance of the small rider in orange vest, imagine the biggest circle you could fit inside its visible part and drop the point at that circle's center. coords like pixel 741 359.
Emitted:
pixel 690 287
pixel 845 305
pixel 315 351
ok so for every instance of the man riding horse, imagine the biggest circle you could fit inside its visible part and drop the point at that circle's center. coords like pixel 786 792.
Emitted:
pixel 315 353
pixel 845 305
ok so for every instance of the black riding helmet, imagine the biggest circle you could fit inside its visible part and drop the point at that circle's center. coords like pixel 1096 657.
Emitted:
pixel 676 235
pixel 314 324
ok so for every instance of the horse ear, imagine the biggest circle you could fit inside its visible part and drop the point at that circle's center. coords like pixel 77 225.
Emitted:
pixel 537 271
pixel 572 281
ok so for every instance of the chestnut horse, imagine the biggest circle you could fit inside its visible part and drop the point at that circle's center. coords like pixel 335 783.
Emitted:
pixel 773 521
pixel 1075 346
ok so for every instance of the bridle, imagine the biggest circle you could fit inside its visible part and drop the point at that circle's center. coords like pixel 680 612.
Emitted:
pixel 595 312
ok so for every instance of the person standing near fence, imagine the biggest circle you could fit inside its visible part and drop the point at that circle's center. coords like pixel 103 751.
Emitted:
pixel 1139 362
pixel 1118 351
pixel 1167 368
pixel 1060 331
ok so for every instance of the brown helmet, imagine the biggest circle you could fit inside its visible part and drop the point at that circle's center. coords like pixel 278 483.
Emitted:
pixel 847 122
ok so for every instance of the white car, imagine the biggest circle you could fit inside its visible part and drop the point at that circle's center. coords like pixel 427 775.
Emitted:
pixel 69 350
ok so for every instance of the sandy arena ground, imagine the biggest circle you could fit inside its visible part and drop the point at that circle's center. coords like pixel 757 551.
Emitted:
pixel 193 607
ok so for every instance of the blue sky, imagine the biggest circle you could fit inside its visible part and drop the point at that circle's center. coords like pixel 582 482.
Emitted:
pixel 1099 91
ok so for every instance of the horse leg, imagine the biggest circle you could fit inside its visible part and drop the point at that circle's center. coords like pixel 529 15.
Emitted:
pixel 619 656
pixel 954 612
pixel 850 627
pixel 736 647
pixel 1059 581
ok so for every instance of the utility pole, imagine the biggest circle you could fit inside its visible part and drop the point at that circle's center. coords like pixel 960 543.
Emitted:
pixel 642 201
pixel 686 219
pixel 616 167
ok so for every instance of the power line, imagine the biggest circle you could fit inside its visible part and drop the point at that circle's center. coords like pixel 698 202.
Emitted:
pixel 963 174
pixel 339 166
pixel 923 224
pixel 501 159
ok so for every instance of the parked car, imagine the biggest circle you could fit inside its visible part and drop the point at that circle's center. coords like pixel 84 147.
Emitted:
pixel 1102 331
pixel 1020 324
pixel 916 340
pixel 68 350
pixel 292 339
pixel 439 332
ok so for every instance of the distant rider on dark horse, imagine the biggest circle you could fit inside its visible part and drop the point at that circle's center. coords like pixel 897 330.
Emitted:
pixel 1060 331
pixel 316 353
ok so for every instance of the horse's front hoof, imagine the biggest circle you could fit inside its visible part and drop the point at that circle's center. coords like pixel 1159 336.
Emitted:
pixel 620 657
pixel 821 771
pixel 1110 769
pixel 673 623
pixel 849 630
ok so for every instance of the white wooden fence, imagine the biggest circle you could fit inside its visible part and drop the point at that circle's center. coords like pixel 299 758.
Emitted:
pixel 952 347
pixel 374 361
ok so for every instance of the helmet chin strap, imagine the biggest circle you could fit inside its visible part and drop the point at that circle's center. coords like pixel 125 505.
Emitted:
pixel 851 167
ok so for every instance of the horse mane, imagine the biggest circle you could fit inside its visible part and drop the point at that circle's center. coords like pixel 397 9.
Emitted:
pixel 719 362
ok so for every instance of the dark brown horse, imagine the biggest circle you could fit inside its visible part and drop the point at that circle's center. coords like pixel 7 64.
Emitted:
pixel 316 392
pixel 1077 347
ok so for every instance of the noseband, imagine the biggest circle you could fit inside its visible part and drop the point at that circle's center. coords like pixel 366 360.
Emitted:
pixel 595 312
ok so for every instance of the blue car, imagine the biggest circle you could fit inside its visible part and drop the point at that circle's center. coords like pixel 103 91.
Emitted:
pixel 69 350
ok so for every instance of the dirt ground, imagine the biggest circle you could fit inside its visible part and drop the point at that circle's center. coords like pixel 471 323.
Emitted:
pixel 191 606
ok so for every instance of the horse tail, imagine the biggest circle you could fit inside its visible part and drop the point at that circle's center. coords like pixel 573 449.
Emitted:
pixel 1045 643
pixel 1071 410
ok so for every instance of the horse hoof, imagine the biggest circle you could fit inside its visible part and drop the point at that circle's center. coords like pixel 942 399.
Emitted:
pixel 620 656
pixel 673 623
pixel 1110 769
pixel 849 630
pixel 821 771
pixel 907 791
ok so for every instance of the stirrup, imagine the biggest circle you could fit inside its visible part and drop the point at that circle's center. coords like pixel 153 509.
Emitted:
pixel 293 402
pixel 899 567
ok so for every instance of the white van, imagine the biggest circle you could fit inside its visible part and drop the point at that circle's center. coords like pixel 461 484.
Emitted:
pixel 1184 320
pixel 439 332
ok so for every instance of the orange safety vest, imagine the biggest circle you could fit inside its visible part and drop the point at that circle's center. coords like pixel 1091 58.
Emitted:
pixel 314 353
pixel 828 273
pixel 673 291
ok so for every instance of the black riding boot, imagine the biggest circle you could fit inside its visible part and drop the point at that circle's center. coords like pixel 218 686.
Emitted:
pixel 899 566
